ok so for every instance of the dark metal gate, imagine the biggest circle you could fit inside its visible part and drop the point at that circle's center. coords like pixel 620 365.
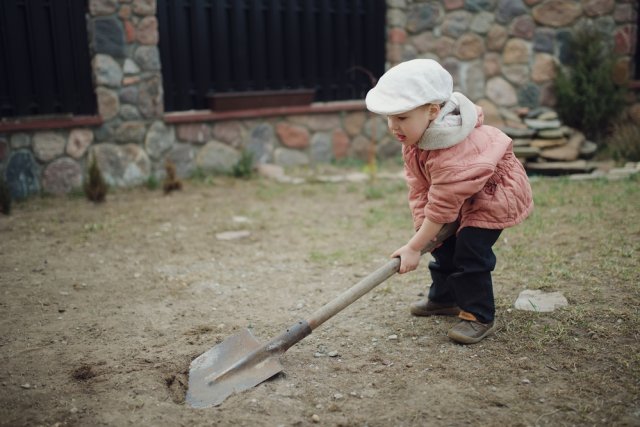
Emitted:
pixel 44 58
pixel 217 46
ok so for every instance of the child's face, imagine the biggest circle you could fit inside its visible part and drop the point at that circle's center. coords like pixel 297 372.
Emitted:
pixel 408 127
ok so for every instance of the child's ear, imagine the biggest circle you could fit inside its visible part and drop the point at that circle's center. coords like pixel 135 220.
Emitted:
pixel 434 110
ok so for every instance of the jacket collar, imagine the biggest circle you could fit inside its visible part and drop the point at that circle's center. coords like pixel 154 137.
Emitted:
pixel 455 122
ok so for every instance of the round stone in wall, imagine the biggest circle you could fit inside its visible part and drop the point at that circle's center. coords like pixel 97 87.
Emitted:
pixel 122 165
pixel 62 176
pixel 22 175
pixel 48 145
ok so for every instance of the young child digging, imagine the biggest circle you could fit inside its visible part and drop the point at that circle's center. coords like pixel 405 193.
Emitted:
pixel 457 169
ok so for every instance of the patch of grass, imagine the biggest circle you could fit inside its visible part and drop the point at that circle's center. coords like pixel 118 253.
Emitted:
pixel 200 176
pixel 152 183
pixel 373 192
pixel 269 190
pixel 327 257
pixel 244 167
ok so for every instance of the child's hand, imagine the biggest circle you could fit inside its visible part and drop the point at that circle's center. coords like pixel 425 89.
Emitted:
pixel 409 258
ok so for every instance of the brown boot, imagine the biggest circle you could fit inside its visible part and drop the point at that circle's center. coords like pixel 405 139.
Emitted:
pixel 425 307
pixel 469 330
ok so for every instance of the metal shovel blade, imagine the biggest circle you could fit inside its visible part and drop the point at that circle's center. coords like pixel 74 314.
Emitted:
pixel 236 364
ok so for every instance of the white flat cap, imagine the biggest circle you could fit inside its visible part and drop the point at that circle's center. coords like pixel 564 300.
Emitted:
pixel 409 85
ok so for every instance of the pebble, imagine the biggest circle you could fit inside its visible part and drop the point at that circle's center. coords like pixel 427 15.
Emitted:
pixel 332 354
pixel 393 337
pixel 526 381
pixel 315 418
pixel 338 396
pixel 233 235
pixel 26 386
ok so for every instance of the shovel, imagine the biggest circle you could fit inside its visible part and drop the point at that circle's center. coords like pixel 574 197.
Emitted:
pixel 240 362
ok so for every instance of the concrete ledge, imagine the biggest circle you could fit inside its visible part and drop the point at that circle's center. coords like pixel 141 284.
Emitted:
pixel 49 122
pixel 211 116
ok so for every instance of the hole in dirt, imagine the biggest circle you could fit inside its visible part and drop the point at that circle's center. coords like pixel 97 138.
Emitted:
pixel 177 385
pixel 83 373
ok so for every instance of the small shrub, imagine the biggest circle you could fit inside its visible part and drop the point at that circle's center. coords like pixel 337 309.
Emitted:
pixel 5 197
pixel 152 182
pixel 624 142
pixel 171 182
pixel 95 188
pixel 587 97
pixel 244 167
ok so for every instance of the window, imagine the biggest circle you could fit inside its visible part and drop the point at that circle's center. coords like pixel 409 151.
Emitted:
pixel 44 58
pixel 220 46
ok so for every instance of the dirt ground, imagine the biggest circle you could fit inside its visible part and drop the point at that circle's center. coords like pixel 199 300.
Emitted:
pixel 103 307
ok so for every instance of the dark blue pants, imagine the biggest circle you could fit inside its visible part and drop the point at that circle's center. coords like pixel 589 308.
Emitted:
pixel 461 272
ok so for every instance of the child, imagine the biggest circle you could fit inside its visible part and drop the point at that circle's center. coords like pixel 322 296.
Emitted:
pixel 456 169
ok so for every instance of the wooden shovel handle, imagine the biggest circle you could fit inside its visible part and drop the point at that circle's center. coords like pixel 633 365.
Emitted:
pixel 343 300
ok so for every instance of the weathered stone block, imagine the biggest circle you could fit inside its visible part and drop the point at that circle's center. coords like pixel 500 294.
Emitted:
pixel 62 176
pixel 340 144
pixel 288 157
pixel 292 136
pixel 102 7
pixel 131 132
pixel 122 165
pixel 183 157
pixel 48 145
pixel 217 157
pixel 144 7
pixel 147 31
pixel 509 9
pixel 108 36
pixel 516 51
pixel 194 132
pixel 107 71
pixel 469 46
pixel 262 141
pixel 230 132
pixel 456 23
pixel 321 149
pixel 159 140
pixel 501 92
pixel 22 175
pixel 423 17
pixel 78 142
pixel 557 13
pixel 598 7
pixel 497 37
pixel 544 68
pixel 150 98
pixel 108 103
pixel 148 58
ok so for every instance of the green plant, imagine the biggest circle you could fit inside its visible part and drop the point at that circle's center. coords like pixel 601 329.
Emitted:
pixel 624 142
pixel 152 182
pixel 244 167
pixel 5 197
pixel 587 97
pixel 95 188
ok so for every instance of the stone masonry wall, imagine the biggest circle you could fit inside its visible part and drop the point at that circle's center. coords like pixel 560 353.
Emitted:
pixel 502 54
pixel 505 53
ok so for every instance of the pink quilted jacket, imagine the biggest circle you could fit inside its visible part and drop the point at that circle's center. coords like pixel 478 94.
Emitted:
pixel 478 181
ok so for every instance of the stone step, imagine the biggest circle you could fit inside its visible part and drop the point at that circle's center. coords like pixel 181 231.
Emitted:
pixel 560 168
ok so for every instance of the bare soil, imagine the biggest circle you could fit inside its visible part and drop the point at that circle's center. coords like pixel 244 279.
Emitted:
pixel 103 307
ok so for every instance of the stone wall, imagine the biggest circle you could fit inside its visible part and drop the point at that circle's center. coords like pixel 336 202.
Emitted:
pixel 502 54
pixel 505 53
